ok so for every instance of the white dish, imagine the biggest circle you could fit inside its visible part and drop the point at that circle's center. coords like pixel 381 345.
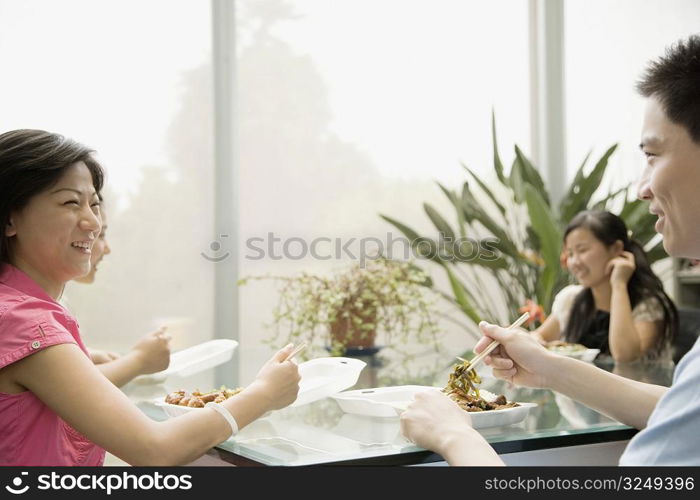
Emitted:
pixel 380 401
pixel 323 377
pixel 320 378
pixel 587 355
pixel 193 360
pixel 391 401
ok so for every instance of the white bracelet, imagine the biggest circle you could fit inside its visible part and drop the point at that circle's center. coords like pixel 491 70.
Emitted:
pixel 226 414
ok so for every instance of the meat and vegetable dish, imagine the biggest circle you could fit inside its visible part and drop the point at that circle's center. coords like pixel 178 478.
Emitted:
pixel 462 388
pixel 197 399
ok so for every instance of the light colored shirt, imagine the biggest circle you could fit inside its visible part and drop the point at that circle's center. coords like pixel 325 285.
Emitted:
pixel 672 434
pixel 647 310
pixel 30 432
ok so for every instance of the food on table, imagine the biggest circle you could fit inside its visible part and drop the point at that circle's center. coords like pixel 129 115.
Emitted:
pixel 461 387
pixel 561 347
pixel 197 399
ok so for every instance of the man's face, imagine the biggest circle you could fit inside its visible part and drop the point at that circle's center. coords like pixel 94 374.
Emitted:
pixel 671 181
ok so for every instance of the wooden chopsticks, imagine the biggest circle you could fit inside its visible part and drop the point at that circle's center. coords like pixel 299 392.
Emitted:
pixel 296 351
pixel 480 357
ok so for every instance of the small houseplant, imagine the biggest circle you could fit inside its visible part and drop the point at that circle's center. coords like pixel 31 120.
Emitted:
pixel 355 307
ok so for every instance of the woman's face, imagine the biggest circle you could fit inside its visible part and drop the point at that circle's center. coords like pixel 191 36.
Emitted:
pixel 52 237
pixel 587 257
pixel 99 250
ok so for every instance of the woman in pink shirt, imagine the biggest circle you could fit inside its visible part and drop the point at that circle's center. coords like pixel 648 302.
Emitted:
pixel 56 407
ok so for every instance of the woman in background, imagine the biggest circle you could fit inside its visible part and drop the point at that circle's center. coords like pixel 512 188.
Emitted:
pixel 619 305
pixel 150 354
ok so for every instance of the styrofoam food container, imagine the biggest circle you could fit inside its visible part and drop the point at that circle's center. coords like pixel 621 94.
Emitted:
pixel 320 378
pixel 323 377
pixel 391 401
pixel 588 355
pixel 193 360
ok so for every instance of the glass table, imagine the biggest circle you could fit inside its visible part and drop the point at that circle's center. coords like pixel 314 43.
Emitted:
pixel 320 433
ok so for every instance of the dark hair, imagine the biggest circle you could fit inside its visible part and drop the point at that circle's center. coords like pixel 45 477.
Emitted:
pixel 32 161
pixel 675 80
pixel 644 284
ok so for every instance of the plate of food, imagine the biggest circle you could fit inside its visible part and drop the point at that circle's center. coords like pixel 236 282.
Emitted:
pixel 486 409
pixel 489 410
pixel 180 402
pixel 320 378
pixel 572 350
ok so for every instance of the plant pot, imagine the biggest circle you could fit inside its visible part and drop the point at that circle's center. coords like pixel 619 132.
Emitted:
pixel 346 333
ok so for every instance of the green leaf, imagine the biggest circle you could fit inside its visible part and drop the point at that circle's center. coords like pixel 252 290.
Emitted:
pixel 658 252
pixel 574 188
pixel 407 231
pixel 580 194
pixel 611 196
pixel 498 166
pixel 530 174
pixel 545 286
pixel 458 209
pixel 517 181
pixel 461 296
pixel 545 226
pixel 635 213
pixel 486 190
pixel 440 223
pixel 473 211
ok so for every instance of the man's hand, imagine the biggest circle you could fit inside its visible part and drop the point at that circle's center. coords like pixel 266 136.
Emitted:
pixel 520 358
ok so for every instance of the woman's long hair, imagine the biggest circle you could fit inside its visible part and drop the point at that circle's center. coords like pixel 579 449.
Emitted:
pixel 643 284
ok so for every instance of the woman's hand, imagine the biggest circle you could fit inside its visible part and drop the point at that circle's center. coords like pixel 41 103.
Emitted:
pixel 278 380
pixel 621 268
pixel 433 421
pixel 98 356
pixel 153 352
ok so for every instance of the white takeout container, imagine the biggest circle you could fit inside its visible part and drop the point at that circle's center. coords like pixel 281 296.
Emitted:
pixel 192 360
pixel 587 355
pixel 389 402
pixel 323 377
pixel 320 378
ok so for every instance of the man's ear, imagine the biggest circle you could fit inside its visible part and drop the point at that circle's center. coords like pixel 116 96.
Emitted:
pixel 10 229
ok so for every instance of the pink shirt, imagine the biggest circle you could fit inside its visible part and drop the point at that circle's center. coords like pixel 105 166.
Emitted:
pixel 30 432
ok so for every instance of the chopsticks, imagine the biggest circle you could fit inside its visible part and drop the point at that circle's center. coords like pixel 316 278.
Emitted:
pixel 480 357
pixel 296 351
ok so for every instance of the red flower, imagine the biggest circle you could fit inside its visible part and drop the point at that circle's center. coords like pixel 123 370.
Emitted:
pixel 536 311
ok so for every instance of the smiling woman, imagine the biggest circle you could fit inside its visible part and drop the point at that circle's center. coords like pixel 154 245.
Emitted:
pixel 619 305
pixel 56 407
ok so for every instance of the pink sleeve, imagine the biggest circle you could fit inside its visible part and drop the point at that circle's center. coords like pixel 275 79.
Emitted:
pixel 27 327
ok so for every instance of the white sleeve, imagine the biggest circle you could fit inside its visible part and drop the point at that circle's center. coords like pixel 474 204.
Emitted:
pixel 649 309
pixel 563 302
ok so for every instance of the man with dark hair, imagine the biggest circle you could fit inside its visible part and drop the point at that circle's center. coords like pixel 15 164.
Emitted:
pixel 669 418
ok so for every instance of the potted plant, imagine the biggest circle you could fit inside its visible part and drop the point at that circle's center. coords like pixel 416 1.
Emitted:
pixel 355 306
